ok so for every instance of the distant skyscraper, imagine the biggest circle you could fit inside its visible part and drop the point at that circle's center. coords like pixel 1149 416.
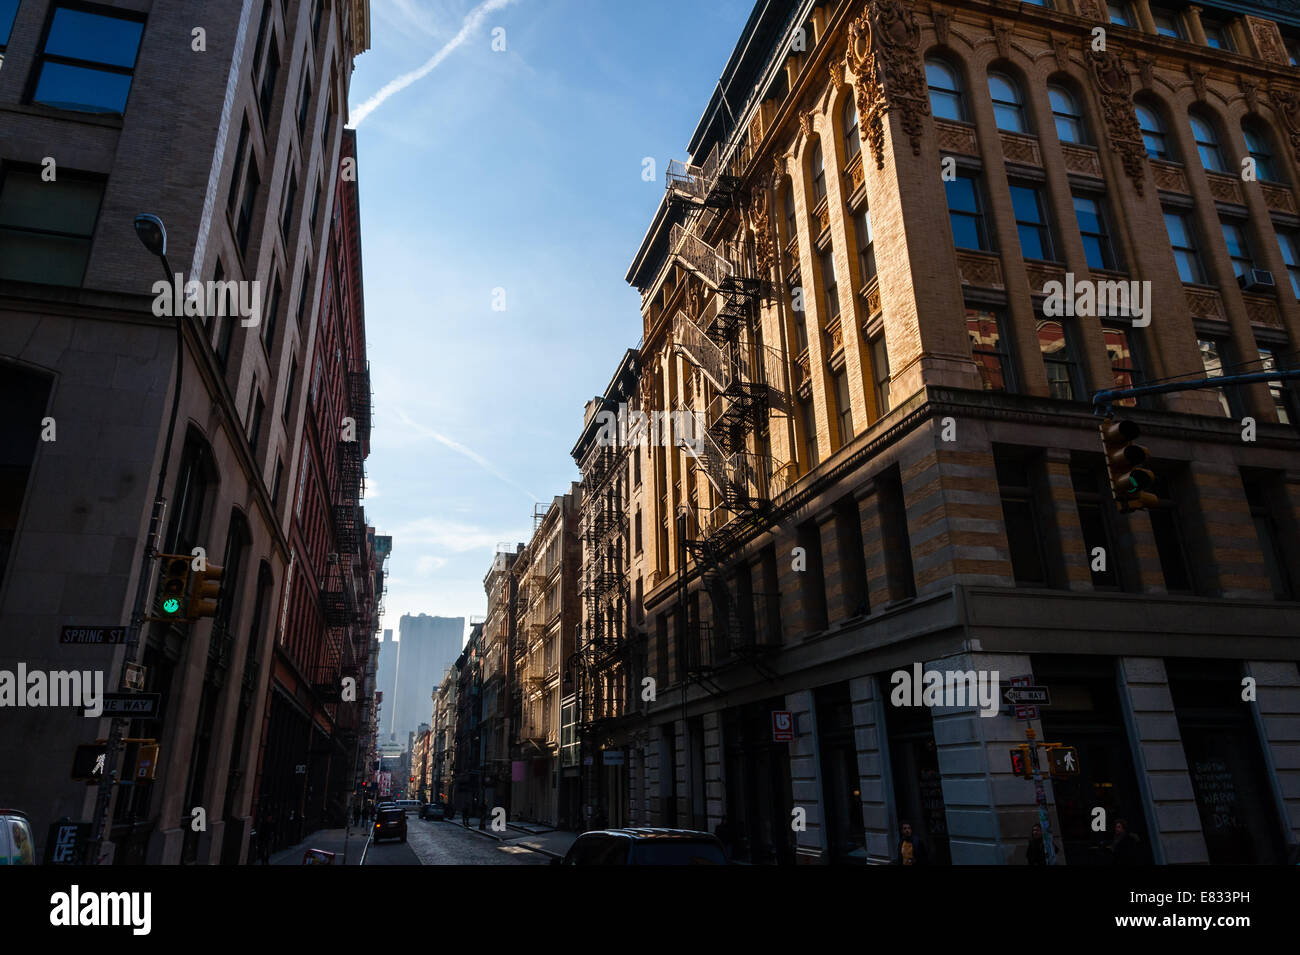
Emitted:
pixel 386 683
pixel 426 646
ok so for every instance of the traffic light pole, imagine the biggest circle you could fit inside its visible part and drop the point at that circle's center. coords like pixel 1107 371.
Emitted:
pixel 108 778
pixel 1101 401
pixel 1040 796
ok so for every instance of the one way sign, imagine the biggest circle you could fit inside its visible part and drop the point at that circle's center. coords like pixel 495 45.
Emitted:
pixel 1019 695
pixel 135 705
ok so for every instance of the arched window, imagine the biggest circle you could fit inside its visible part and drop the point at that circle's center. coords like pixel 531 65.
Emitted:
pixel 945 90
pixel 819 173
pixel 1153 132
pixel 852 139
pixel 1207 143
pixel 1008 107
pixel 1260 146
pixel 1070 127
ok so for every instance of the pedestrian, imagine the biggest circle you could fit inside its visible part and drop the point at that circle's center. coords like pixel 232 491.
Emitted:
pixel 911 850
pixel 465 814
pixel 723 831
pixel 1036 852
pixel 265 837
pixel 482 813
pixel 1124 848
pixel 356 815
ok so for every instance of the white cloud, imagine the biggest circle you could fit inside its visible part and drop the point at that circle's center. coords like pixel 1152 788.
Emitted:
pixel 468 27
pixel 452 536
pixel 429 563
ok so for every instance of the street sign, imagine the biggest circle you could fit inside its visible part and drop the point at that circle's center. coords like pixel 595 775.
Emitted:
pixel 134 676
pixel 782 726
pixel 1064 760
pixel 95 636
pixel 140 706
pixel 1027 694
pixel 66 843
pixel 299 769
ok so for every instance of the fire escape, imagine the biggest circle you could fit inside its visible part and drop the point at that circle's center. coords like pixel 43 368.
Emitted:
pixel 722 341
pixel 602 643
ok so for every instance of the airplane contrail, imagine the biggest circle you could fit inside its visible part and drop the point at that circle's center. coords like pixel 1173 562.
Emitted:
pixel 472 22
pixel 470 453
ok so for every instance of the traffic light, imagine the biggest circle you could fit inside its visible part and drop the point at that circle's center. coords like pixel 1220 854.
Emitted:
pixel 1130 481
pixel 206 593
pixel 173 586
pixel 1021 764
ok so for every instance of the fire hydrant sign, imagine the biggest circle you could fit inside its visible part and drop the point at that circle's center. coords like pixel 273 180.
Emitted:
pixel 782 726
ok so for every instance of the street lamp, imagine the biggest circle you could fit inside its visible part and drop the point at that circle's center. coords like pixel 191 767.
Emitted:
pixel 153 236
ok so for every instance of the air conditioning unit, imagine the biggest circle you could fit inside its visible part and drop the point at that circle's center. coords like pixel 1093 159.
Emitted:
pixel 1256 280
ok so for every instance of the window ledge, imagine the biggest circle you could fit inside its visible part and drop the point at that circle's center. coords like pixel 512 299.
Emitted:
pixel 69 115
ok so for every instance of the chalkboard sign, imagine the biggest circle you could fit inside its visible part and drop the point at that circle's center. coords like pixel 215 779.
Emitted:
pixel 1216 792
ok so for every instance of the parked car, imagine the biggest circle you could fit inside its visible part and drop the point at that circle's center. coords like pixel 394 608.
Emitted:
pixel 16 845
pixel 385 805
pixel 645 847
pixel 390 824
pixel 408 805
pixel 433 810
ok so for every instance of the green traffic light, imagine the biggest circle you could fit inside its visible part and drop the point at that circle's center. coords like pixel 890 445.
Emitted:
pixel 171 605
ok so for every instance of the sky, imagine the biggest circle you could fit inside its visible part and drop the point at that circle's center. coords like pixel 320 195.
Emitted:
pixel 511 178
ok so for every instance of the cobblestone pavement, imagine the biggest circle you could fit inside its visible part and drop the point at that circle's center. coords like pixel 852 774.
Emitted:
pixel 442 843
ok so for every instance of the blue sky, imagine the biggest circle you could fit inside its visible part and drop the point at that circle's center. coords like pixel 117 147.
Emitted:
pixel 519 170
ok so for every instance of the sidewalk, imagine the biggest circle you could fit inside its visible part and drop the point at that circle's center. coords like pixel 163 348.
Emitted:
pixel 331 840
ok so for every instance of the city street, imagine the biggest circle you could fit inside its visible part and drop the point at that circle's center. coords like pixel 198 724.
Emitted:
pixel 445 843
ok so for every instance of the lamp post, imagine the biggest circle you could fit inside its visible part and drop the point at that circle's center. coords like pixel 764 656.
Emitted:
pixel 153 235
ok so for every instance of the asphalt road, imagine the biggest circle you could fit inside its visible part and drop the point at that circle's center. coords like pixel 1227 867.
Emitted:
pixel 444 843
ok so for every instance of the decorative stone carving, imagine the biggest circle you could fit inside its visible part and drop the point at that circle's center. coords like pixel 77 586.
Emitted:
pixel 1224 188
pixel 1198 80
pixel 1021 149
pixel 806 123
pixel 882 56
pixel 837 73
pixel 1204 304
pixel 1115 87
pixel 1147 71
pixel 956 138
pixel 1278 198
pixel 1286 102
pixel 778 167
pixel 855 174
pixel 1268 40
pixel 984 271
pixel 1061 47
pixel 1262 311
pixel 940 18
pixel 1169 177
pixel 1080 160
pixel 1002 37
pixel 1094 9
pixel 873 300
pixel 1250 93
pixel 761 224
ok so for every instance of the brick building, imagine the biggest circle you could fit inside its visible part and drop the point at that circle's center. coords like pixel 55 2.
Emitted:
pixel 234 148
pixel 846 288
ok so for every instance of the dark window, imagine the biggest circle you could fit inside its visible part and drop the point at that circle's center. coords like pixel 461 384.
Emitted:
pixel 8 9
pixel 1095 509
pixel 818 173
pixel 989 348
pixel 196 477
pixel 1070 126
pixel 290 197
pixel 289 386
pixel 88 60
pixel 268 79
pixel 1032 223
pixel 813 581
pixel 24 396
pixel 1214 356
pixel 1167 23
pixel 1217 35
pixel 866 244
pixel 1123 359
pixel 1259 143
pixel 895 538
pixel 1020 511
pixel 272 310
pixel 261 37
pixel 1058 358
pixel 303 103
pixel 1282 395
pixel 239 165
pixel 1234 236
pixel 1182 238
pixel 275 485
pixel 1289 242
pixel 880 373
pixel 1008 105
pixel 1119 14
pixel 788 206
pixel 1167 528
pixel 244 225
pixel 638 532
pixel 1153 131
pixel 831 284
pixel 1258 494
pixel 946 101
pixel 843 409
pixel 315 208
pixel 302 296
pixel 1090 213
pixel 1207 143
pixel 966 213
pixel 809 414
pixel 255 424
pixel 46 227
pixel 315 20
pixel 852 137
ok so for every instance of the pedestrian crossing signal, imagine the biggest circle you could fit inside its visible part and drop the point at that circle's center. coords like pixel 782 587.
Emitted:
pixel 1064 760
pixel 173 586
pixel 1020 762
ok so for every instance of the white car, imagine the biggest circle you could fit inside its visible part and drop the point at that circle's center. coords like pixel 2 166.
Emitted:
pixel 16 845
pixel 408 805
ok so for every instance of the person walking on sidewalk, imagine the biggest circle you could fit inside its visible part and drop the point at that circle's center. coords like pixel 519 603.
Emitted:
pixel 482 814
pixel 465 814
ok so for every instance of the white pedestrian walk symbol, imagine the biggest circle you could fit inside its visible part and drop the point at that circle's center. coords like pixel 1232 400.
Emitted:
pixel 1069 761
